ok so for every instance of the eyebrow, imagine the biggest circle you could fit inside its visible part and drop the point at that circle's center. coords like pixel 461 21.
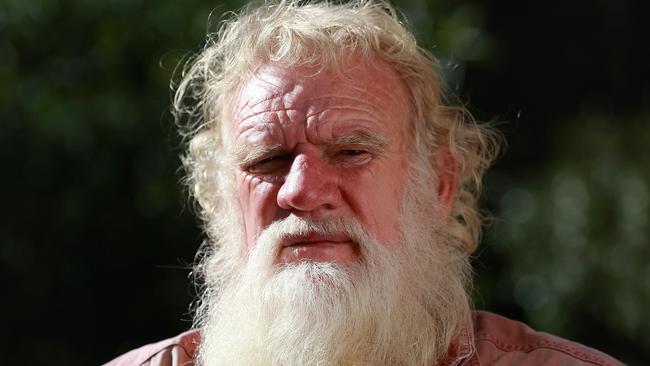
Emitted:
pixel 246 155
pixel 362 139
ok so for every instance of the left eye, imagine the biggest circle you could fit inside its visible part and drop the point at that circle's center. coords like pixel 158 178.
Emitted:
pixel 352 152
pixel 351 157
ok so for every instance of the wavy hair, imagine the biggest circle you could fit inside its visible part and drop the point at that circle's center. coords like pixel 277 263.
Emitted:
pixel 323 35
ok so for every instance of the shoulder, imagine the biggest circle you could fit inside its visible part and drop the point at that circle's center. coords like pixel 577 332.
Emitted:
pixel 176 351
pixel 502 341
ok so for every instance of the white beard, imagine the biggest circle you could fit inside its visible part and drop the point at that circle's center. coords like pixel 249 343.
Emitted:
pixel 397 306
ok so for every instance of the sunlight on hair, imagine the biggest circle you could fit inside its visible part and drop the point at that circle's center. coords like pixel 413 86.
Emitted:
pixel 323 35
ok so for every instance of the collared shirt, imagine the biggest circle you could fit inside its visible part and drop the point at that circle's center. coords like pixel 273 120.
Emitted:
pixel 490 340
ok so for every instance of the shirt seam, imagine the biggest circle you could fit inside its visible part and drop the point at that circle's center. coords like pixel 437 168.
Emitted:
pixel 179 345
pixel 549 345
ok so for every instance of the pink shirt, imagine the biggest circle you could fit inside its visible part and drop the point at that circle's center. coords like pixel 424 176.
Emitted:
pixel 493 340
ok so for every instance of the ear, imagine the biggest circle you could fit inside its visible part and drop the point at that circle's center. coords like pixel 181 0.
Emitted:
pixel 445 167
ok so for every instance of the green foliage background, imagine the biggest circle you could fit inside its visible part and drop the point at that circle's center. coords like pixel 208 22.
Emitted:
pixel 96 237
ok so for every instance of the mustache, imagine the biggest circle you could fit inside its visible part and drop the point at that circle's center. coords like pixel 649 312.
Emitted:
pixel 292 227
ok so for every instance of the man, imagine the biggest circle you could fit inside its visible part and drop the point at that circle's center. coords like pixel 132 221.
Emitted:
pixel 339 195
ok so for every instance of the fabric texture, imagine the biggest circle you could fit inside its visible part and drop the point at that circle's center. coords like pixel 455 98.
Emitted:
pixel 490 340
pixel 176 351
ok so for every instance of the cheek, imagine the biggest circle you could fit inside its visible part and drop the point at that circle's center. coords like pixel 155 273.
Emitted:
pixel 382 202
pixel 257 200
pixel 385 208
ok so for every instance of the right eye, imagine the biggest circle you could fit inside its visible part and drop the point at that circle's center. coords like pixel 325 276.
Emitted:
pixel 271 164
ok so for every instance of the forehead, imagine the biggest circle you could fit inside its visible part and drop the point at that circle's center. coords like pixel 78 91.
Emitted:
pixel 361 94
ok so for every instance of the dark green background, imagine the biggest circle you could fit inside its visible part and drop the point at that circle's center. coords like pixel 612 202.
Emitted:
pixel 96 237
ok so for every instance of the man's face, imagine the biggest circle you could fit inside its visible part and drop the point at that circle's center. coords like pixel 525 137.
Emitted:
pixel 327 191
pixel 321 147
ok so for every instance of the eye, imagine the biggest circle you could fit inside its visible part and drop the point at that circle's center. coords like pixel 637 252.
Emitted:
pixel 351 157
pixel 271 164
pixel 353 152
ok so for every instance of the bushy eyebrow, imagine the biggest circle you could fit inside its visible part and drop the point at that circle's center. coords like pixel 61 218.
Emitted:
pixel 245 155
pixel 364 139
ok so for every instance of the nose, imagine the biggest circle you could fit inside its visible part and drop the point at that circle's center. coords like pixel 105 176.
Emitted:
pixel 310 187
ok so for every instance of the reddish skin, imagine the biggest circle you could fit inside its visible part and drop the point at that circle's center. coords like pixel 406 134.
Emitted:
pixel 309 176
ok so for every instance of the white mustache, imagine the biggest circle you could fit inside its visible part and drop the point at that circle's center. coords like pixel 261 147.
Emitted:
pixel 269 240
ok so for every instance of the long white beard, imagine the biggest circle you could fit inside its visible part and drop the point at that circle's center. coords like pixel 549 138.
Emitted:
pixel 401 305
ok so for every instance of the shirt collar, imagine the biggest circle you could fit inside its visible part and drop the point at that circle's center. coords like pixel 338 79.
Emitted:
pixel 462 348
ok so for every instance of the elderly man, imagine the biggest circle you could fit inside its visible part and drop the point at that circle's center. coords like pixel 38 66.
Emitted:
pixel 339 195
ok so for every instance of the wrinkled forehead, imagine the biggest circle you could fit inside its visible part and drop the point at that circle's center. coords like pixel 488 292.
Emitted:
pixel 276 86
